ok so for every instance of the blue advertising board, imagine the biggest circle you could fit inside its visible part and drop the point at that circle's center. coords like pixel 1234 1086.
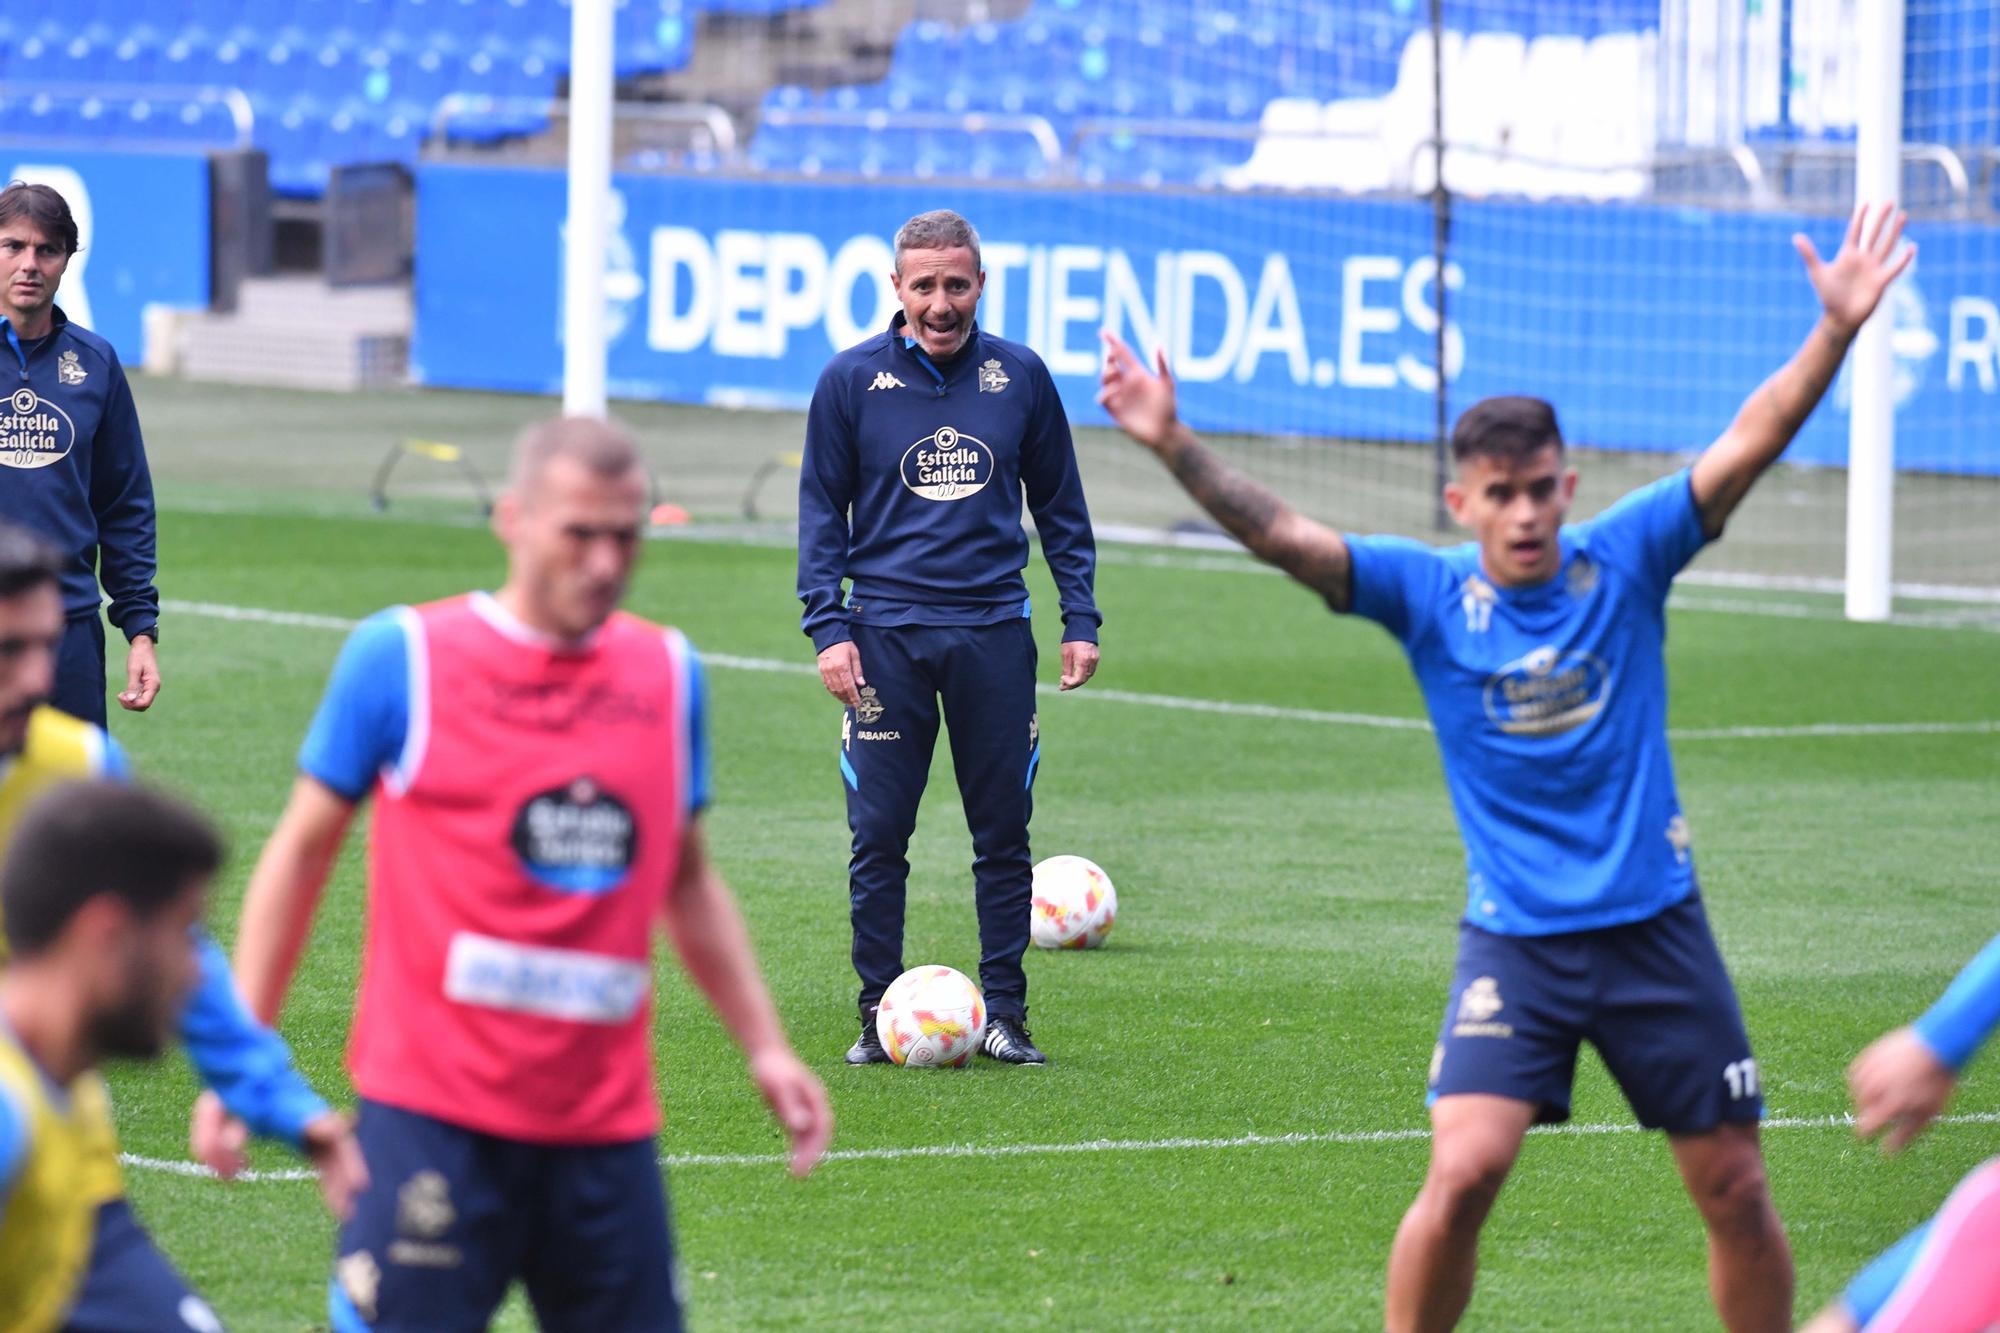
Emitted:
pixel 143 225
pixel 1297 315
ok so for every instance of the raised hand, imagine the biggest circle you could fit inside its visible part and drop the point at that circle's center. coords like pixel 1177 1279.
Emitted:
pixel 1851 283
pixel 1141 404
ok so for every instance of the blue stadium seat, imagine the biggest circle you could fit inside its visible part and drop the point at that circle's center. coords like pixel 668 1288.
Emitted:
pixel 133 59
pixel 79 60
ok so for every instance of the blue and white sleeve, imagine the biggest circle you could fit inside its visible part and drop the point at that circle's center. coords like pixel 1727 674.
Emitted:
pixel 1966 1014
pixel 247 1064
pixel 363 721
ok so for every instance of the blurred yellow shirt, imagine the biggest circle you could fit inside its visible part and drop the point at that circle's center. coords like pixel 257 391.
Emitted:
pixel 48 1138
pixel 59 748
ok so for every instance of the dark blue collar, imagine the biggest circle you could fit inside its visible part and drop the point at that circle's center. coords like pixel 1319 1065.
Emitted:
pixel 898 327
pixel 20 347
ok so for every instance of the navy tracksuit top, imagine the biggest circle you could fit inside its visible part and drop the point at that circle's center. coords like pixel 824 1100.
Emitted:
pixel 933 460
pixel 73 468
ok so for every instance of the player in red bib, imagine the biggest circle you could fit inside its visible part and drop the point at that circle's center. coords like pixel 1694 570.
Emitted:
pixel 539 762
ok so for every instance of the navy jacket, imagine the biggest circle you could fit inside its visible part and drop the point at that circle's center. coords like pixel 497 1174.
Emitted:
pixel 73 468
pixel 932 462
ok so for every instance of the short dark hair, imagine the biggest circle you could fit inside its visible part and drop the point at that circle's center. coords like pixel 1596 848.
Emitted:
pixel 26 561
pixel 1510 428
pixel 939 229
pixel 82 839
pixel 42 206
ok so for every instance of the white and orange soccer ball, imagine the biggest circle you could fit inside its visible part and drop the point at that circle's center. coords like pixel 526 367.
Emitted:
pixel 1074 904
pixel 931 1016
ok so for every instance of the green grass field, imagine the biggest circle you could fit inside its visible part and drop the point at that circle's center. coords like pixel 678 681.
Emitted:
pixel 1289 885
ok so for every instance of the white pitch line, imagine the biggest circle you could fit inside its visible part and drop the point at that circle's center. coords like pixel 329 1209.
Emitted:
pixel 680 1161
pixel 1182 703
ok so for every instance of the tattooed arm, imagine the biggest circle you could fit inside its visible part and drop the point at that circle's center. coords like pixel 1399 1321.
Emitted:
pixel 1143 406
pixel 1849 286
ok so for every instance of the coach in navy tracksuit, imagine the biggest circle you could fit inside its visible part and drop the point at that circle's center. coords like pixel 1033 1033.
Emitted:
pixel 920 444
pixel 72 465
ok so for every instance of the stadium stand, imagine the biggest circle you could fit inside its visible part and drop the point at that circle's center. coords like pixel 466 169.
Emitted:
pixel 327 82
pixel 1256 94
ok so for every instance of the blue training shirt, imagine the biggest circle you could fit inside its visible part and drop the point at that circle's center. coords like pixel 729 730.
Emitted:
pixel 1966 1014
pixel 364 718
pixel 1550 705
pixel 247 1064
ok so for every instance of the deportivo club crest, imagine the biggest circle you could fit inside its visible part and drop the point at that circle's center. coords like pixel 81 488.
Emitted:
pixel 69 370
pixel 423 1206
pixel 1582 577
pixel 993 378
pixel 870 709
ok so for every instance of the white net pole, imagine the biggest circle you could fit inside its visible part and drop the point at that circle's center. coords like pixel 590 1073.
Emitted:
pixel 590 100
pixel 1871 458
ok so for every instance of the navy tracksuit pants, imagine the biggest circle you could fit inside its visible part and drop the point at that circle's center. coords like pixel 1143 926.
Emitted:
pixel 984 677
pixel 80 669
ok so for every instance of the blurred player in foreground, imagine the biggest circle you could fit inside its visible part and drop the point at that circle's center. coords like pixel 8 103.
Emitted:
pixel 1942 1277
pixel 130 1285
pixel 539 762
pixel 1538 648
pixel 102 892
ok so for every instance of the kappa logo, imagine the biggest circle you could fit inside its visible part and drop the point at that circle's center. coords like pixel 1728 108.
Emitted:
pixel 871 708
pixel 884 380
pixel 69 370
pixel 993 377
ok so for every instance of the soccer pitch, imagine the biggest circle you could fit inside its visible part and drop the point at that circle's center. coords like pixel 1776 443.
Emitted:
pixel 1233 1121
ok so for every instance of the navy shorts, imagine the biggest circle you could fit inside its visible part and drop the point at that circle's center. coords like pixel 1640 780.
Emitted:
pixel 452 1217
pixel 1652 997
pixel 131 1288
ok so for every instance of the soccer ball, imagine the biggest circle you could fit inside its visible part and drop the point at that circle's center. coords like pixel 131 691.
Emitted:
pixel 1074 904
pixel 931 1016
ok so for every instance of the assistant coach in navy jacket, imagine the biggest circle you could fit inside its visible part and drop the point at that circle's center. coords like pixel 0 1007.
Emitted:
pixel 72 465
pixel 920 444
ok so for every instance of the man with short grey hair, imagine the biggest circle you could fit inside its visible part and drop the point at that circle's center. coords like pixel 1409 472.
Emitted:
pixel 920 445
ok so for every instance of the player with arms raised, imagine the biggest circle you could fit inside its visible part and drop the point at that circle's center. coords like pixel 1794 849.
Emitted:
pixel 1539 650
